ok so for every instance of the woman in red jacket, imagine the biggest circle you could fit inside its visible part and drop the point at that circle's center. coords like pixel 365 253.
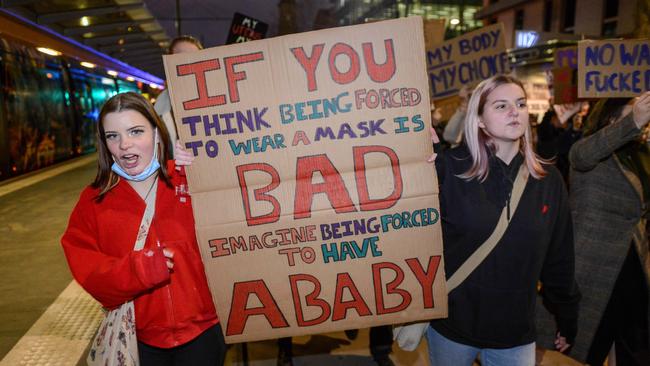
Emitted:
pixel 176 321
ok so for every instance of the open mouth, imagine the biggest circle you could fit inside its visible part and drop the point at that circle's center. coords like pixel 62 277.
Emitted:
pixel 129 161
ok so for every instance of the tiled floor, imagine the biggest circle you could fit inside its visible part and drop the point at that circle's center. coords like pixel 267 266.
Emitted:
pixel 60 336
pixel 33 272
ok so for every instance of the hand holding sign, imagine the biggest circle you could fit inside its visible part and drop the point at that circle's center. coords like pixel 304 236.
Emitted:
pixel 182 157
pixel 436 140
pixel 641 110
pixel 566 111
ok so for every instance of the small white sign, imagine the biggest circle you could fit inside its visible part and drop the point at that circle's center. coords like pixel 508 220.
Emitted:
pixel 526 39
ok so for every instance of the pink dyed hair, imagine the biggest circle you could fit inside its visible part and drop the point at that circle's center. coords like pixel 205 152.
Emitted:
pixel 478 142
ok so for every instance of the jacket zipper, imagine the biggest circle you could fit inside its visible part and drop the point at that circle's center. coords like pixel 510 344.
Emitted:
pixel 169 303
pixel 171 312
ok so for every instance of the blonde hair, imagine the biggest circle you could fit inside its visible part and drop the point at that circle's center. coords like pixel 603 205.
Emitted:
pixel 478 142
pixel 181 39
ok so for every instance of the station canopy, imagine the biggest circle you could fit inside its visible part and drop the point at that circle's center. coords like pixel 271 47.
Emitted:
pixel 122 29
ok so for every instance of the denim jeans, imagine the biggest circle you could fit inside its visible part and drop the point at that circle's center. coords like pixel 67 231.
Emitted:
pixel 444 352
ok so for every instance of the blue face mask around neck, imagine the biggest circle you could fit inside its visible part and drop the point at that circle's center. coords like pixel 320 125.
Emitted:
pixel 152 168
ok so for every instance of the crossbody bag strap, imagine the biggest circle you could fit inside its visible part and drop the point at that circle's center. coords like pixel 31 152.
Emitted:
pixel 147 217
pixel 482 252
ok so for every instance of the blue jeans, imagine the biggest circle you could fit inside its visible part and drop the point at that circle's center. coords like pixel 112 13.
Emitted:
pixel 443 352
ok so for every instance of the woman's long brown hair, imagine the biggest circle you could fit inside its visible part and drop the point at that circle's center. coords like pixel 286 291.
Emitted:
pixel 106 179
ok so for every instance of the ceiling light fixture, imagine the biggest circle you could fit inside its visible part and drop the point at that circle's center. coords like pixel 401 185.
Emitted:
pixel 49 51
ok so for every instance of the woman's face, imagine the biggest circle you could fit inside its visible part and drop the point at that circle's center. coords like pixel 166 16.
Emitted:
pixel 505 114
pixel 130 139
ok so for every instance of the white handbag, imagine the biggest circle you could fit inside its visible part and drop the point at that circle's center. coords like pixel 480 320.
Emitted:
pixel 115 343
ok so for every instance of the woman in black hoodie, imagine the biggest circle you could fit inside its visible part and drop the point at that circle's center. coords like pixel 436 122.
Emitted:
pixel 492 311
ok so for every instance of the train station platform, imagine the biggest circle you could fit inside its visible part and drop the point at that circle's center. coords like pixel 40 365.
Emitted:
pixel 47 319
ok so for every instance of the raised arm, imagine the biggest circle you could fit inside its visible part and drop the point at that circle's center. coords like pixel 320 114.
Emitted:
pixel 589 151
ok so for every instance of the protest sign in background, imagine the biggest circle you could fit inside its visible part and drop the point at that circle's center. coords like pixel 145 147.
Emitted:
pixel 566 57
pixel 565 75
pixel 244 28
pixel 537 95
pixel 466 60
pixel 314 205
pixel 565 85
pixel 434 32
pixel 613 68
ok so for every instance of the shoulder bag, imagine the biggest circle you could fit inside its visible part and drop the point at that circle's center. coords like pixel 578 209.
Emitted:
pixel 408 336
pixel 115 342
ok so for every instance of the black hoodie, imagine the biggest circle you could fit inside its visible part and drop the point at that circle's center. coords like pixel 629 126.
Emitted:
pixel 495 306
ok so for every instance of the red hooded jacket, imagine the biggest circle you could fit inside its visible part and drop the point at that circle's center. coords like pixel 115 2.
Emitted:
pixel 171 308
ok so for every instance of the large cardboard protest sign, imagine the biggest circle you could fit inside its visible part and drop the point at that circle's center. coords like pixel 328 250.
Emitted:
pixel 613 68
pixel 467 60
pixel 315 207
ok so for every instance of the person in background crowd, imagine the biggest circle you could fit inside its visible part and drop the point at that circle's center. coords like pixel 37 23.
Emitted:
pixel 176 321
pixel 491 312
pixel 436 118
pixel 555 136
pixel 380 343
pixel 163 104
pixel 610 193
pixel 285 352
pixel 453 133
